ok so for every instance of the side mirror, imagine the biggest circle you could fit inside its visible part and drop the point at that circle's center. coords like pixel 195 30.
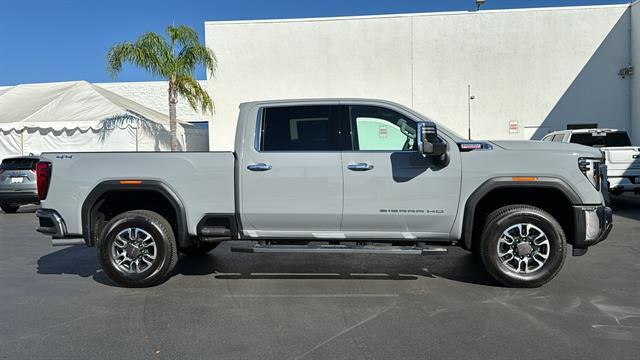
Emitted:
pixel 428 142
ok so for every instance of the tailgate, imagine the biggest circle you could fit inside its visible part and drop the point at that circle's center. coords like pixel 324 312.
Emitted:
pixel 622 158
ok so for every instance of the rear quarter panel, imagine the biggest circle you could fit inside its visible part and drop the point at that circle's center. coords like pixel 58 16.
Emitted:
pixel 203 182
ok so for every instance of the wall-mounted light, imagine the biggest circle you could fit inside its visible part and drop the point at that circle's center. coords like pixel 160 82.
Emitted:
pixel 626 71
pixel 479 3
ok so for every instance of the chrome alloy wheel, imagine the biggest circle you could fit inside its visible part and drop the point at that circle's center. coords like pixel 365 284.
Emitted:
pixel 133 251
pixel 523 248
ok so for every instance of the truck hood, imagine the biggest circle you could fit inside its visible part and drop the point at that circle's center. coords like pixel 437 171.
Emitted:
pixel 534 145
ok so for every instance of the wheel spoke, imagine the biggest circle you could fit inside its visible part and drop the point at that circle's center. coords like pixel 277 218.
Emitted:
pixel 541 240
pixel 524 230
pixel 148 262
pixel 503 253
pixel 120 242
pixel 508 237
pixel 538 261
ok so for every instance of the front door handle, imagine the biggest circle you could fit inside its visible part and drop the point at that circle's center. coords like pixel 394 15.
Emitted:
pixel 259 167
pixel 360 167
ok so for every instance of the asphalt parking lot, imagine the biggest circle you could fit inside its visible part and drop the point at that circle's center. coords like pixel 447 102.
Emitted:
pixel 56 303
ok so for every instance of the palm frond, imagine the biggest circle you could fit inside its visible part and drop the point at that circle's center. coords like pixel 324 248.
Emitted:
pixel 189 57
pixel 150 52
pixel 190 89
pixel 182 35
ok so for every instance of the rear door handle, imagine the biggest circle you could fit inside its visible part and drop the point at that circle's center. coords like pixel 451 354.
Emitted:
pixel 259 167
pixel 360 167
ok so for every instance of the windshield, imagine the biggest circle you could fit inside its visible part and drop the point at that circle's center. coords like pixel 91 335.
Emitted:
pixel 611 139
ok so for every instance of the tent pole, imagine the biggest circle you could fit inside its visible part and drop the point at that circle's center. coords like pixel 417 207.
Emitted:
pixel 22 142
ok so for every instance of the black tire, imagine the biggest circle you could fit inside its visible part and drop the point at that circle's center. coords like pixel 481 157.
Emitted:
pixel 199 248
pixel 165 248
pixel 9 208
pixel 502 219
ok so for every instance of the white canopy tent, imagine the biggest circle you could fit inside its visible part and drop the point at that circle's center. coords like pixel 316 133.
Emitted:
pixel 80 117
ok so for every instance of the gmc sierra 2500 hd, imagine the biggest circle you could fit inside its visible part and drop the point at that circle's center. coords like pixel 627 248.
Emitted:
pixel 331 176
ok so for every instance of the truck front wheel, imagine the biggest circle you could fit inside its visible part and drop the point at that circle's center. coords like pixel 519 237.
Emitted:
pixel 138 249
pixel 522 246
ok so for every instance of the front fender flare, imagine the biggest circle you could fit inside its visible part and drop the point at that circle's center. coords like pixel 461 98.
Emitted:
pixel 508 182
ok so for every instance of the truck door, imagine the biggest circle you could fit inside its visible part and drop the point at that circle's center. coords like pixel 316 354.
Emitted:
pixel 291 180
pixel 390 189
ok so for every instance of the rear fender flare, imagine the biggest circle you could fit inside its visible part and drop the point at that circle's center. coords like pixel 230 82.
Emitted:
pixel 182 235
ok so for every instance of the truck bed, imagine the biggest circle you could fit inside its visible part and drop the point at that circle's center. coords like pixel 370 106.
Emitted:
pixel 204 180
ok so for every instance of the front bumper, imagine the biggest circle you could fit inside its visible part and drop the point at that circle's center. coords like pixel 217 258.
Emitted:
pixel 51 223
pixel 592 225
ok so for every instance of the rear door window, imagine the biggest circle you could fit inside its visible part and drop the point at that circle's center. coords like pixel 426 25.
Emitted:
pixel 611 139
pixel 300 128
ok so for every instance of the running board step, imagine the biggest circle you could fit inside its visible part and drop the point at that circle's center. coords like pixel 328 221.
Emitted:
pixel 341 249
pixel 215 231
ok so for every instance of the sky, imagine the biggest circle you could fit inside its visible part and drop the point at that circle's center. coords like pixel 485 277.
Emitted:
pixel 64 40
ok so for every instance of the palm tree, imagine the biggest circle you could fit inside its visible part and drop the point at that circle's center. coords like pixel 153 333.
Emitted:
pixel 173 58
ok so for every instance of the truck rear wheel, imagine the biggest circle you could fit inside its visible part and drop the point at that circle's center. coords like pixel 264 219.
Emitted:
pixel 138 249
pixel 522 246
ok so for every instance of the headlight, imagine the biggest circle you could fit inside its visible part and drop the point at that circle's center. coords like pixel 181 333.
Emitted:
pixel 591 169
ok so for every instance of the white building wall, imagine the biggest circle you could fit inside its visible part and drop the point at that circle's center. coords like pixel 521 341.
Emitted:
pixel 539 67
pixel 635 79
pixel 154 95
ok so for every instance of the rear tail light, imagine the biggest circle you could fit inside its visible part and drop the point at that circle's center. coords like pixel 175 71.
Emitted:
pixel 43 177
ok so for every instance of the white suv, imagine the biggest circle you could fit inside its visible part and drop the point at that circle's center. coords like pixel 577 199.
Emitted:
pixel 622 159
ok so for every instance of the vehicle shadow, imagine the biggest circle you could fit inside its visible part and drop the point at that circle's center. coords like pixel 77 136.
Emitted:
pixel 626 206
pixel 73 260
pixel 459 266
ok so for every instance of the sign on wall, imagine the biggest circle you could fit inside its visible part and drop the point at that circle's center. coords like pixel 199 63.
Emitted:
pixel 513 127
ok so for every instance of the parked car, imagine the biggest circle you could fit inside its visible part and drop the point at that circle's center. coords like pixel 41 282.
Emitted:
pixel 331 176
pixel 18 183
pixel 622 159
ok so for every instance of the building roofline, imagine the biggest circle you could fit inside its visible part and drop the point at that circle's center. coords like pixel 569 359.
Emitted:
pixel 137 82
pixel 403 15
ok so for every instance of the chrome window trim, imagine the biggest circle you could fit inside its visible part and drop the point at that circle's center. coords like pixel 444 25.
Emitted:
pixel 258 133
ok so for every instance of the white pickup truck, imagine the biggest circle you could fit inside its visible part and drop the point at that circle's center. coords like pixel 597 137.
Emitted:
pixel 622 159
pixel 331 176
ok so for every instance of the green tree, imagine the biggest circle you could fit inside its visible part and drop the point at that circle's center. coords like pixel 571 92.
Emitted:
pixel 173 58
